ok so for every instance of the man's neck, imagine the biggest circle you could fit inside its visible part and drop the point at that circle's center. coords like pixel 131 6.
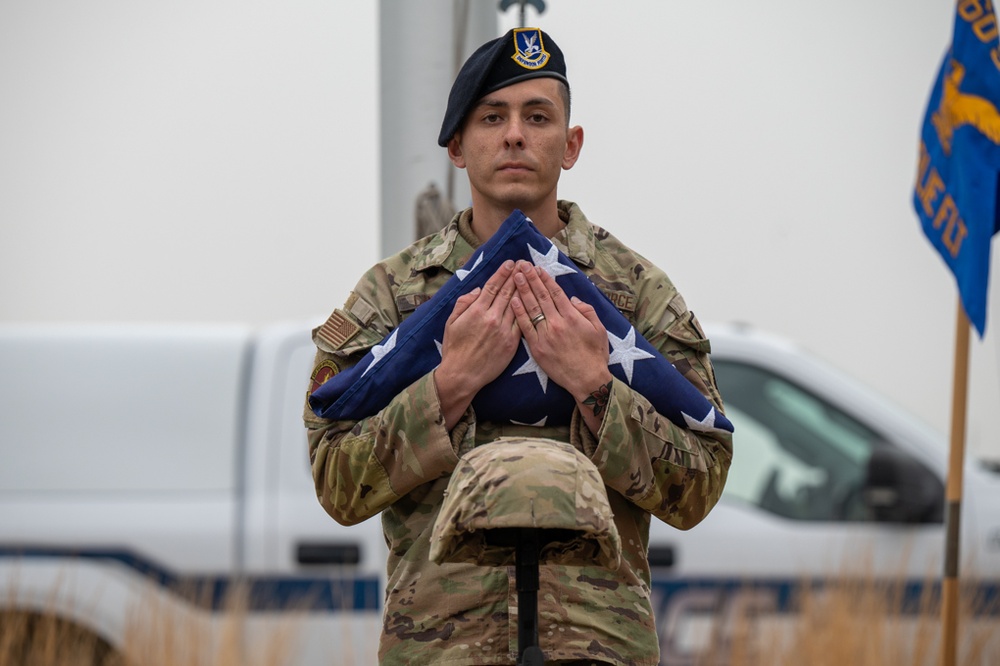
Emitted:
pixel 487 220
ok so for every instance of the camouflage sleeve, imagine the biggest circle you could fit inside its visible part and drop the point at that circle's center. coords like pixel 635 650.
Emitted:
pixel 674 473
pixel 361 467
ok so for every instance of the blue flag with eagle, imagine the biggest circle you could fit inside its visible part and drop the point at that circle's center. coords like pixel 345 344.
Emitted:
pixel 956 191
pixel 523 393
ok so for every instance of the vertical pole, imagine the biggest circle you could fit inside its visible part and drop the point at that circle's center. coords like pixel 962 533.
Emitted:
pixel 953 492
pixel 421 46
pixel 526 581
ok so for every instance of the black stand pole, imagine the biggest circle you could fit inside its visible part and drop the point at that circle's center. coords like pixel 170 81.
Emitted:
pixel 526 578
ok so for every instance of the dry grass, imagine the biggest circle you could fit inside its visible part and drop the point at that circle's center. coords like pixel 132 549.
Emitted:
pixel 854 621
pixel 863 622
pixel 163 635
pixel 32 639
pixel 160 632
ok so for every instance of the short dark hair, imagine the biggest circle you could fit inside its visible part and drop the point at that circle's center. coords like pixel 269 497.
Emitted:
pixel 564 93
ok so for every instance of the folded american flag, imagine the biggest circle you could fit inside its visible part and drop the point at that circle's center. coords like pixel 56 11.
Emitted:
pixel 522 393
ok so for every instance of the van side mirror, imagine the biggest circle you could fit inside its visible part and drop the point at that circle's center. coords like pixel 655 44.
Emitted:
pixel 899 489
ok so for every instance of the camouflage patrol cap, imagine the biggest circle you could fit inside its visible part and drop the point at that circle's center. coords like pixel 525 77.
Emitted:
pixel 521 54
pixel 526 482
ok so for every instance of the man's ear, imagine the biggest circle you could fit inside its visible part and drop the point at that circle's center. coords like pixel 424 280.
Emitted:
pixel 455 152
pixel 574 144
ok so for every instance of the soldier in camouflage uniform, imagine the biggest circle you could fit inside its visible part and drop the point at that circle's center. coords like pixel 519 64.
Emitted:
pixel 507 124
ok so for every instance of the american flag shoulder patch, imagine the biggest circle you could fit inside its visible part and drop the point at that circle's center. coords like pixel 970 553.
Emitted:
pixel 337 330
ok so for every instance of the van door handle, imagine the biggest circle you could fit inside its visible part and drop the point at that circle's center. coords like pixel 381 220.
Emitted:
pixel 328 553
pixel 661 556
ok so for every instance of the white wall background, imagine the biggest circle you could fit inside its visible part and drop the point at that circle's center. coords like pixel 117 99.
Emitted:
pixel 185 160
pixel 218 161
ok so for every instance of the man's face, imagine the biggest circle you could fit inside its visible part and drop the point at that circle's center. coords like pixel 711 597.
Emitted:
pixel 514 144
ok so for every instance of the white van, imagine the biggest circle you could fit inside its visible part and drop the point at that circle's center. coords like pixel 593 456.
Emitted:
pixel 147 472
pixel 828 479
pixel 150 472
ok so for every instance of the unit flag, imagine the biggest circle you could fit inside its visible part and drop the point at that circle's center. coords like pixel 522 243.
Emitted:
pixel 956 191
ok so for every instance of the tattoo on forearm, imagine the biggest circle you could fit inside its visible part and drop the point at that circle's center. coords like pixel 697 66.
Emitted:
pixel 598 400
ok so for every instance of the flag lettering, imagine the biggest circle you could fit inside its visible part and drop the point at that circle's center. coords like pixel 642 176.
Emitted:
pixel 929 183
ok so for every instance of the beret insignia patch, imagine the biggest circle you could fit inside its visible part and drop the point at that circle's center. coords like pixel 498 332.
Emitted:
pixel 323 372
pixel 529 52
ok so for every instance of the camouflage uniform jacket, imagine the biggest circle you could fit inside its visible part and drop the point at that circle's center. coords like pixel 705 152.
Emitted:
pixel 398 463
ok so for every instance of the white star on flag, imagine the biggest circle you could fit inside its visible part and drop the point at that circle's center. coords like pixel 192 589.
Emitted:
pixel 537 424
pixel 463 273
pixel 550 261
pixel 707 424
pixel 378 351
pixel 531 366
pixel 440 347
pixel 624 351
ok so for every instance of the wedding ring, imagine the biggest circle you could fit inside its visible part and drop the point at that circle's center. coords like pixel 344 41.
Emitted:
pixel 537 318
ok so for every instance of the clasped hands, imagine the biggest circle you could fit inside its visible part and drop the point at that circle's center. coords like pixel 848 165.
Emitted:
pixel 519 302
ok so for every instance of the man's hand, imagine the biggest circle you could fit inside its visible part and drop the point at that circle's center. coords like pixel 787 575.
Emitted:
pixel 570 343
pixel 480 339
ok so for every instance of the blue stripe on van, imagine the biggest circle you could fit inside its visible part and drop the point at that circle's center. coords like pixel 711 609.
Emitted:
pixel 907 597
pixel 341 591
pixel 338 591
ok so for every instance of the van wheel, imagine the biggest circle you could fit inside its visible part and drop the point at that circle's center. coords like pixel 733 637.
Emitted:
pixel 36 638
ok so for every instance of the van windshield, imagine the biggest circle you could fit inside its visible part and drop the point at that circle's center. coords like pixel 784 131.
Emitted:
pixel 796 455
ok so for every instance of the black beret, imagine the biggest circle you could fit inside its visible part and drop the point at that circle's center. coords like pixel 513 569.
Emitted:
pixel 523 53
